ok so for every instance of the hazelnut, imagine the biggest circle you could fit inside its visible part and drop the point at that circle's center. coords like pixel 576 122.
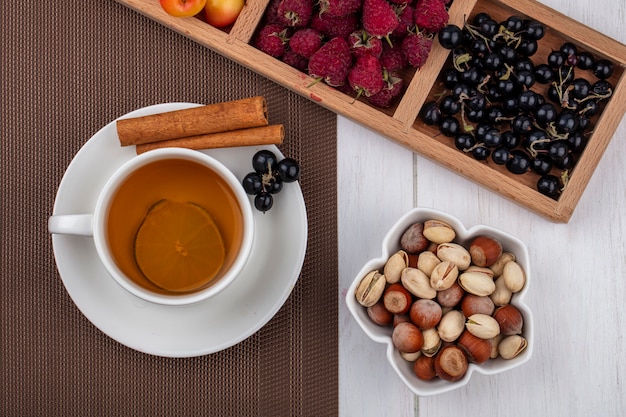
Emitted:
pixel 424 368
pixel 509 319
pixel 474 304
pixel 485 251
pixel 425 313
pixel 451 363
pixel 413 240
pixel 476 349
pixel 407 338
pixel 400 318
pixel 438 232
pixel 379 314
pixel 451 296
pixel 397 299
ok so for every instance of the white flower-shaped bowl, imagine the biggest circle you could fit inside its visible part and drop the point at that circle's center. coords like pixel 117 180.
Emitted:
pixel 382 334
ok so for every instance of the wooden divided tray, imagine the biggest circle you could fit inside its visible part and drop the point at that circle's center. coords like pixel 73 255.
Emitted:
pixel 401 123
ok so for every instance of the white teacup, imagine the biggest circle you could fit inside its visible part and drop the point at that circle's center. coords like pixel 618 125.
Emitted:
pixel 172 173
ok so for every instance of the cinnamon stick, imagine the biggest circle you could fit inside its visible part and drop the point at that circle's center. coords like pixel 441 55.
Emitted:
pixel 265 135
pixel 212 118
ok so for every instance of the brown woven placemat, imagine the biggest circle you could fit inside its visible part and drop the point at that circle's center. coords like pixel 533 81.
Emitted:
pixel 68 69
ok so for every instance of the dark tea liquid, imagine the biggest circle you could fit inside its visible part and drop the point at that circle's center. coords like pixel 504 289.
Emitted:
pixel 176 180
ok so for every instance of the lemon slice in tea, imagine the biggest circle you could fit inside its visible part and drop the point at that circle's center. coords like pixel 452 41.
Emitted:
pixel 178 246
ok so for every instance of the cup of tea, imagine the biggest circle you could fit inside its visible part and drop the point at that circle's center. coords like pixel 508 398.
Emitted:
pixel 172 226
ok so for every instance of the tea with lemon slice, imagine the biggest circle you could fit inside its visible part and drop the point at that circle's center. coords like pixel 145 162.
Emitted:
pixel 174 226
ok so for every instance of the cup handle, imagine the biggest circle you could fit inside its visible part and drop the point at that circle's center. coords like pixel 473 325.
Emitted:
pixel 71 224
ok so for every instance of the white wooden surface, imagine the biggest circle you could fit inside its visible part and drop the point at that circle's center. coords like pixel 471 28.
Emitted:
pixel 578 292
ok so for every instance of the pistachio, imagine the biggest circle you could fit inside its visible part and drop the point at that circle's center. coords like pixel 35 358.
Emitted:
pixel 417 283
pixel 427 261
pixel 455 253
pixel 438 232
pixel 501 295
pixel 411 357
pixel 444 275
pixel 451 325
pixel 511 346
pixel 481 269
pixel 499 265
pixel 482 326
pixel 494 342
pixel 477 283
pixel 370 288
pixel 394 266
pixel 432 342
pixel 514 277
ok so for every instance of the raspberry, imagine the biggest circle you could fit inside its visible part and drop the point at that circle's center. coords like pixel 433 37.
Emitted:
pixel 431 15
pixel 295 60
pixel 335 26
pixel 339 7
pixel 295 13
pixel 366 77
pixel 416 48
pixel 392 58
pixel 379 18
pixel 361 43
pixel 271 12
pixel 305 42
pixel 272 39
pixel 331 62
pixel 392 89
pixel 406 19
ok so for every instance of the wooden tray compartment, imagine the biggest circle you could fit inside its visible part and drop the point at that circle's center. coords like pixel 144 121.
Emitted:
pixel 400 122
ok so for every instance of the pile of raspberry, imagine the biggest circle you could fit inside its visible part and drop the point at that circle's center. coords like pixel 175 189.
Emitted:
pixel 357 46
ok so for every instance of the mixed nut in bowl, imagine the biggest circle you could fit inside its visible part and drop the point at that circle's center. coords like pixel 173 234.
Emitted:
pixel 446 300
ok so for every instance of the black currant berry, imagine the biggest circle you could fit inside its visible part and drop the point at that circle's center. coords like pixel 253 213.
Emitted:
pixel 263 201
pixel 464 141
pixel 519 162
pixel 549 185
pixel 288 170
pixel 450 36
pixel 252 183
pixel 449 106
pixel 450 126
pixel 603 69
pixel 534 30
pixel 585 61
pixel 544 74
pixel 264 161
pixel 430 113
pixel 545 114
pixel 556 59
pixel 566 122
pixel 481 153
pixel 500 155
pixel 558 150
pixel 541 164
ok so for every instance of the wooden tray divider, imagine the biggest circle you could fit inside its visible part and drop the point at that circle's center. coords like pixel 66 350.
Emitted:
pixel 248 20
pixel 419 87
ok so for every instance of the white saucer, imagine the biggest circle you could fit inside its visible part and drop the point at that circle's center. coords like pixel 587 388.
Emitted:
pixel 178 331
